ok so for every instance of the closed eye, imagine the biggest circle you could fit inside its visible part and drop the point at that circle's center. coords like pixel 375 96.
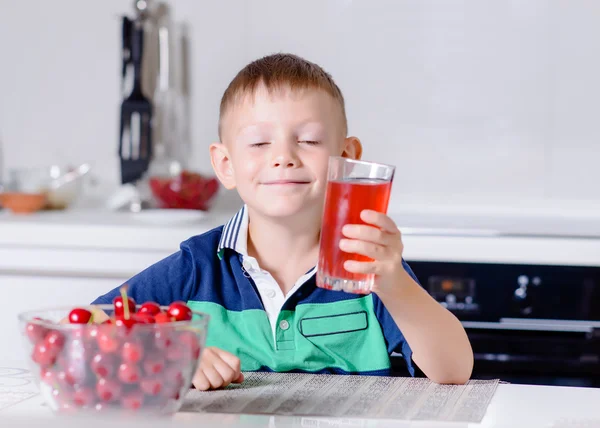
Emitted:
pixel 258 144
pixel 309 142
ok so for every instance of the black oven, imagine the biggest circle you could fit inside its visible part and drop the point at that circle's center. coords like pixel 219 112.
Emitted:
pixel 535 324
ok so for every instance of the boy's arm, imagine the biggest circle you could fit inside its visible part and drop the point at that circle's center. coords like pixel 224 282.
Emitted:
pixel 439 343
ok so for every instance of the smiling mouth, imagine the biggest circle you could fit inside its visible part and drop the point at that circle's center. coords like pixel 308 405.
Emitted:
pixel 285 182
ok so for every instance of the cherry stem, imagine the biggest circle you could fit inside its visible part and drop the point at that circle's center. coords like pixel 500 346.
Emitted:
pixel 125 302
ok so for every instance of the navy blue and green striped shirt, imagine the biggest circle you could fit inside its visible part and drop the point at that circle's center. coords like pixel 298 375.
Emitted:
pixel 317 330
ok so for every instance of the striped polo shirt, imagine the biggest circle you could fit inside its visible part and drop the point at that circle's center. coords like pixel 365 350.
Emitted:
pixel 313 330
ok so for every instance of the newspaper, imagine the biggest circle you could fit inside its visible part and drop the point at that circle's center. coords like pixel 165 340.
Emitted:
pixel 16 385
pixel 377 397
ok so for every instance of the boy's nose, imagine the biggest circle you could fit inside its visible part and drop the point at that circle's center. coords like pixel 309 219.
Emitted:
pixel 285 159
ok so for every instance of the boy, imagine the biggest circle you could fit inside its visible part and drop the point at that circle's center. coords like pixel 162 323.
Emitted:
pixel 281 118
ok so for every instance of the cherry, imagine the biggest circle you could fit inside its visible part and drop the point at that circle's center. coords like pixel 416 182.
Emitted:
pixel 190 342
pixel 48 376
pixel 35 332
pixel 128 373
pixel 107 342
pixel 44 354
pixel 179 311
pixel 108 389
pixel 132 352
pixel 55 339
pixel 153 364
pixel 162 318
pixel 175 352
pixel 84 397
pixel 126 323
pixel 104 365
pixel 123 304
pixel 80 316
pixel 133 400
pixel 162 339
pixel 151 386
pixel 144 318
pixel 173 376
pixel 149 308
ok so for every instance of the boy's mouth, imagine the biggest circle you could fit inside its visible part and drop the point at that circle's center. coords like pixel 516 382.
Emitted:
pixel 284 182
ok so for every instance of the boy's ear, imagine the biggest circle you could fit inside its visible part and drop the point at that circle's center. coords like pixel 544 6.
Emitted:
pixel 352 148
pixel 221 163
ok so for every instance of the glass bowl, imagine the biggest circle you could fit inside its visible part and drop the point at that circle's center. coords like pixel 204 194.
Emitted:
pixel 143 368
pixel 187 190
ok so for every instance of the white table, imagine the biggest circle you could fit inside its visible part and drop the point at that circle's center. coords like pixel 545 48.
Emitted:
pixel 512 406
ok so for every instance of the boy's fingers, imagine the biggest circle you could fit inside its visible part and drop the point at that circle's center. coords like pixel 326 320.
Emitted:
pixel 361 267
pixel 230 359
pixel 214 377
pixel 368 233
pixel 368 249
pixel 200 381
pixel 239 379
pixel 227 373
pixel 380 220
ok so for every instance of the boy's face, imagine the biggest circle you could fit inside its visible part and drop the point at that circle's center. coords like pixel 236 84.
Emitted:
pixel 276 146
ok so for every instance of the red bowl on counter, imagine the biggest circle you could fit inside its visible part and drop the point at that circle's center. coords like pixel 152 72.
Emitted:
pixel 188 190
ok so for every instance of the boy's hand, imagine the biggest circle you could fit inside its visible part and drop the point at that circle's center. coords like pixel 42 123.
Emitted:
pixel 217 369
pixel 380 240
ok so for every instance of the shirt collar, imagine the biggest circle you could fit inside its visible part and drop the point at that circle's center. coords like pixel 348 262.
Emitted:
pixel 235 233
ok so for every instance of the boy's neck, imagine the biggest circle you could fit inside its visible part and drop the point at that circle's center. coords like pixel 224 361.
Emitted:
pixel 287 248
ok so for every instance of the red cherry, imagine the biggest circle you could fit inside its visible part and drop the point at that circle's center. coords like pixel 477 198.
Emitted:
pixel 152 385
pixel 84 397
pixel 162 318
pixel 35 332
pixel 107 342
pixel 44 354
pixel 108 389
pixel 119 307
pixel 48 376
pixel 149 308
pixel 55 339
pixel 80 316
pixel 153 364
pixel 132 352
pixel 127 323
pixel 104 365
pixel 162 339
pixel 144 318
pixel 189 340
pixel 175 352
pixel 128 373
pixel 179 311
pixel 133 400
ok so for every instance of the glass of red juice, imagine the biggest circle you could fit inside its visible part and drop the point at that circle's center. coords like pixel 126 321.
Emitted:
pixel 352 186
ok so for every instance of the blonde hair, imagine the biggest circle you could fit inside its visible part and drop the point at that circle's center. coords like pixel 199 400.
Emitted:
pixel 275 72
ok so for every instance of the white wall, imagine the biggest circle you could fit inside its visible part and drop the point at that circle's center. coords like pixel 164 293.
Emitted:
pixel 477 102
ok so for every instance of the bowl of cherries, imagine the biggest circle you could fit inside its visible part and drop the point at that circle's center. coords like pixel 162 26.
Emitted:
pixel 188 190
pixel 122 357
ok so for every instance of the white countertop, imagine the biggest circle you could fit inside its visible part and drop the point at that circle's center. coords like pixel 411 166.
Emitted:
pixel 65 240
pixel 511 406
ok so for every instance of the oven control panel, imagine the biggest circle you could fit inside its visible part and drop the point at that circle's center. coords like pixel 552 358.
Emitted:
pixel 491 292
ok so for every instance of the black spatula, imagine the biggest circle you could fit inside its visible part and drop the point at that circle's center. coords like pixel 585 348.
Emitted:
pixel 135 136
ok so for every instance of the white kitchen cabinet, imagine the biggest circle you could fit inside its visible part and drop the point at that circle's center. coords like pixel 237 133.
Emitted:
pixel 23 292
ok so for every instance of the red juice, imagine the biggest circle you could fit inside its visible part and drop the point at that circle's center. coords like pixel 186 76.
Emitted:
pixel 344 201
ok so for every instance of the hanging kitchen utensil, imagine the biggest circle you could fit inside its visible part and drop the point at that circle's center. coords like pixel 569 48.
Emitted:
pixel 135 137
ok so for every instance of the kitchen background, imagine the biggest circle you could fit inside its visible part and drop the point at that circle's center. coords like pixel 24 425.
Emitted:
pixel 488 105
pixel 488 108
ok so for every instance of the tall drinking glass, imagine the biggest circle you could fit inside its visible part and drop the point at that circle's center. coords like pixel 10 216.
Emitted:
pixel 352 186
